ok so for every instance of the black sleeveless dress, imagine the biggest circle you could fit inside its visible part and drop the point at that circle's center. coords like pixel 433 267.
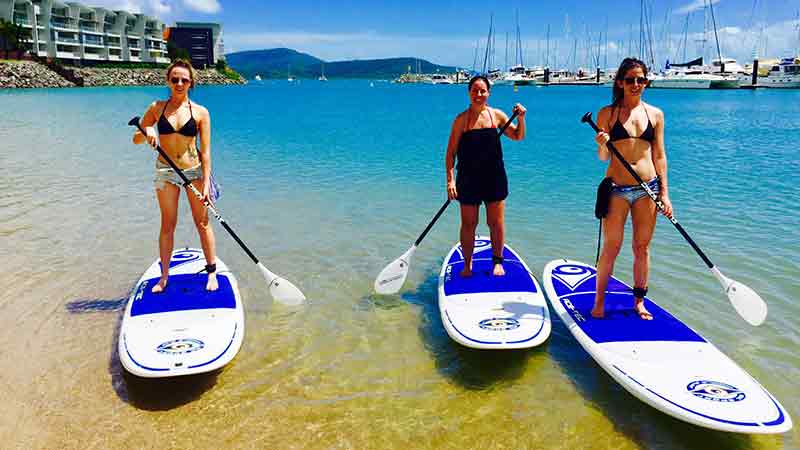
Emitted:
pixel 480 172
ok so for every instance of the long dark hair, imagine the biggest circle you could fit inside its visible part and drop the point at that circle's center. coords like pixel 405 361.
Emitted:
pixel 627 64
pixel 476 78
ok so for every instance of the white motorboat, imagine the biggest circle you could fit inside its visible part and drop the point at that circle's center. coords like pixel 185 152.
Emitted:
pixel 785 75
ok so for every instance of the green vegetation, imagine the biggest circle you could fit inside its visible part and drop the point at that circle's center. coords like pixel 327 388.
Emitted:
pixel 11 37
pixel 130 65
pixel 227 72
pixel 174 52
pixel 276 63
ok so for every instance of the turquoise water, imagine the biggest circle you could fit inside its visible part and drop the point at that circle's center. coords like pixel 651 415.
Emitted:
pixel 327 183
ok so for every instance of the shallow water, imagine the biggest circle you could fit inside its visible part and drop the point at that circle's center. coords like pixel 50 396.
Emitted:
pixel 327 183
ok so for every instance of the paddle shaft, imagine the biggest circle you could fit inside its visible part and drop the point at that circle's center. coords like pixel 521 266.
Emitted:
pixel 588 119
pixel 188 184
pixel 447 202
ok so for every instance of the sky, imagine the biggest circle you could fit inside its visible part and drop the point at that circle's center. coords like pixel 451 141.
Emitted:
pixel 448 32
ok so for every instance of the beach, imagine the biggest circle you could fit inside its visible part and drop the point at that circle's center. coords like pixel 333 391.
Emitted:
pixel 327 183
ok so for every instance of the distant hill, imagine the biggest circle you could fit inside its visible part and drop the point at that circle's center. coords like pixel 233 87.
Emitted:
pixel 274 63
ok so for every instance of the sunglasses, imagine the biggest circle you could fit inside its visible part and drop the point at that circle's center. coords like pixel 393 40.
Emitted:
pixel 175 80
pixel 631 80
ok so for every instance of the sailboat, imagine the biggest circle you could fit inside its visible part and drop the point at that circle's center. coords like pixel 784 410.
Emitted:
pixel 289 77
pixel 322 77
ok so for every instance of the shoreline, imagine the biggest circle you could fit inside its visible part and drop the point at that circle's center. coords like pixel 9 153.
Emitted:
pixel 16 74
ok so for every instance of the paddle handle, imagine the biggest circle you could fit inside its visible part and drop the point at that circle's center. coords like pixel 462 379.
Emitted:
pixel 588 119
pixel 433 221
pixel 510 119
pixel 188 184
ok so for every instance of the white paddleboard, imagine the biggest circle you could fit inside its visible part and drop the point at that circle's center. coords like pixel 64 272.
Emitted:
pixel 662 362
pixel 185 329
pixel 489 312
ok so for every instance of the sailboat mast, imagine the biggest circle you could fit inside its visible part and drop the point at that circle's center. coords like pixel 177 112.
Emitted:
pixel 488 43
pixel 716 37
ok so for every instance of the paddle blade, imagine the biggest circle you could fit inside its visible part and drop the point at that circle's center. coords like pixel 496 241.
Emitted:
pixel 392 277
pixel 282 290
pixel 745 301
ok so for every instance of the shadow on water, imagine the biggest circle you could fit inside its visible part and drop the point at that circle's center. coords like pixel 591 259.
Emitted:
pixel 644 425
pixel 471 368
pixel 144 393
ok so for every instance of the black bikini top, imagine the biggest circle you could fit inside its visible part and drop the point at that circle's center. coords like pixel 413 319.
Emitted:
pixel 189 129
pixel 618 132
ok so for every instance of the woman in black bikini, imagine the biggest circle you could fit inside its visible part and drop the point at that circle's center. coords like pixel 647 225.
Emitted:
pixel 637 131
pixel 481 174
pixel 180 142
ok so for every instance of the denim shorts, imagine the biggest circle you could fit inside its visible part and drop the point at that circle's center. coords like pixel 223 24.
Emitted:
pixel 165 174
pixel 631 193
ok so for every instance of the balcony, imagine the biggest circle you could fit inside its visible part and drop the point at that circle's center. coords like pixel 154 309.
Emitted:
pixel 114 58
pixel 66 40
pixel 22 19
pixel 93 42
pixel 64 24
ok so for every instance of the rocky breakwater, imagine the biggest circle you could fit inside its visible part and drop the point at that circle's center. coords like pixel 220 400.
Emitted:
pixel 29 74
pixel 144 77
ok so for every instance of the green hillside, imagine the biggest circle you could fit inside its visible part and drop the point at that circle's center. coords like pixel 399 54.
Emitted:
pixel 274 63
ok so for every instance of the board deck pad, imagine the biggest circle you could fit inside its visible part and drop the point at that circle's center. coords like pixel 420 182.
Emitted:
pixel 487 311
pixel 662 362
pixel 185 329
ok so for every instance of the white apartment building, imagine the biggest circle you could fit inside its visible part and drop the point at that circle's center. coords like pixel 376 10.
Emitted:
pixel 78 33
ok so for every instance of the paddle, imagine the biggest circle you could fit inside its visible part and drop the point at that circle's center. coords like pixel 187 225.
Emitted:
pixel 392 277
pixel 281 289
pixel 745 300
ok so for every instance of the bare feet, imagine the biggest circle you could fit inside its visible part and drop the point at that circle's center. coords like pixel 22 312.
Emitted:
pixel 598 310
pixel 160 286
pixel 644 314
pixel 498 270
pixel 212 284
pixel 467 272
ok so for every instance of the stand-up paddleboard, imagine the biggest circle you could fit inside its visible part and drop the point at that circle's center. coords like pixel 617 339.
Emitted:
pixel 489 312
pixel 662 362
pixel 185 329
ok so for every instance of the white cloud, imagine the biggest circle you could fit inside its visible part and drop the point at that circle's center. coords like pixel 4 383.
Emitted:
pixel 203 6
pixel 694 6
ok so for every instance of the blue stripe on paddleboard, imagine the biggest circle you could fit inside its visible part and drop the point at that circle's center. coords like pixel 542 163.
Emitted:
pixel 184 292
pixel 153 369
pixel 576 286
pixel 236 326
pixel 482 250
pixel 516 279
pixel 717 419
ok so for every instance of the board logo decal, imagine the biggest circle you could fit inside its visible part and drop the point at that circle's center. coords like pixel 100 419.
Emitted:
pixel 572 274
pixel 499 324
pixel 180 346
pixel 480 246
pixel 183 257
pixel 715 391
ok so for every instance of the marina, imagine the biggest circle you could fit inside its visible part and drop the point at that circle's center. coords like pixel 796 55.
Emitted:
pixel 353 368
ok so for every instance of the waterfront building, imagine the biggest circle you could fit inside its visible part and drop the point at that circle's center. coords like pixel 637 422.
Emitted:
pixel 202 40
pixel 78 34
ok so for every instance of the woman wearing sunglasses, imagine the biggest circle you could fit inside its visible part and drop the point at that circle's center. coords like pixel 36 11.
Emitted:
pixel 184 132
pixel 637 131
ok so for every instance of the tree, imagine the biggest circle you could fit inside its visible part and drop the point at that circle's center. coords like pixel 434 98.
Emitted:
pixel 174 52
pixel 10 36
